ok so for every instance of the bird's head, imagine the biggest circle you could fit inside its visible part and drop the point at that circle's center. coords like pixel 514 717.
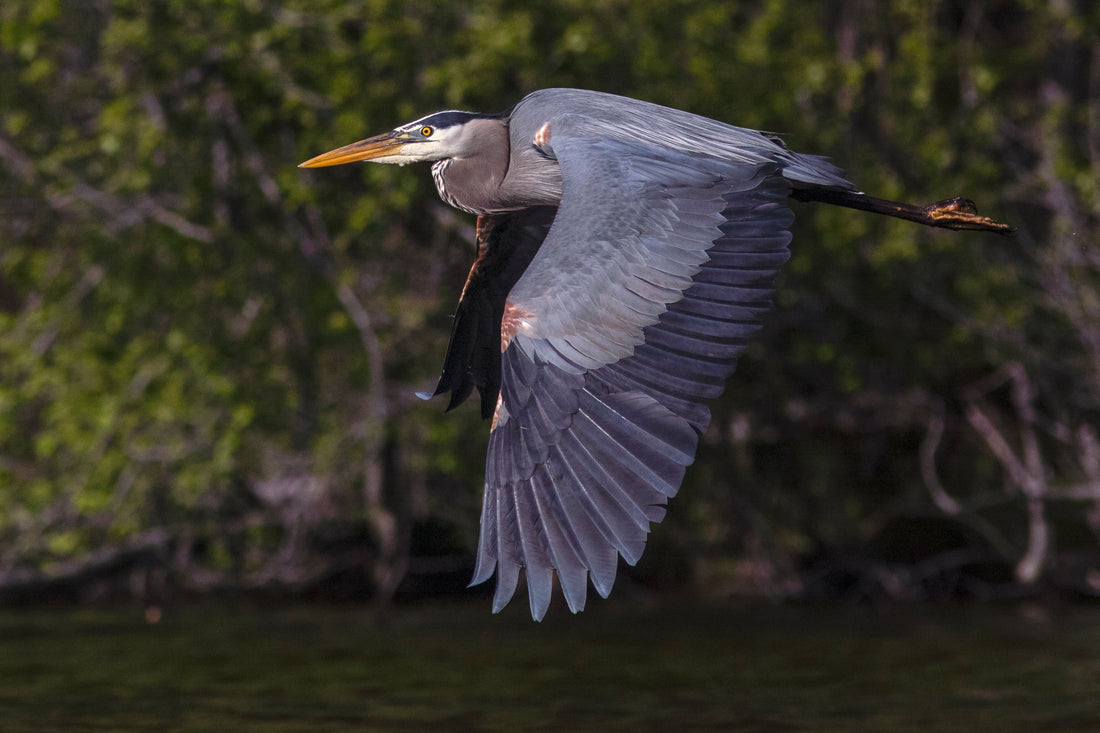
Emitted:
pixel 441 135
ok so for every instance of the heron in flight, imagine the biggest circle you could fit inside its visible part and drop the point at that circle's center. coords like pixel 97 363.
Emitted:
pixel 625 254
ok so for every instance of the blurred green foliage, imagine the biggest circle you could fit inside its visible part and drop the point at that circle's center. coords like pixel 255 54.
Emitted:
pixel 198 337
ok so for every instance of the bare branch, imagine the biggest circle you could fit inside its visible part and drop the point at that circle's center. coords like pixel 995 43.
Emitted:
pixel 997 444
pixel 1089 446
pixel 1031 564
pixel 122 213
pixel 947 503
pixel 1087 491
pixel 1027 473
pixel 149 544
pixel 931 442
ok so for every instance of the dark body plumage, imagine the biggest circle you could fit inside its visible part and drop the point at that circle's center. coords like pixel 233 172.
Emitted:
pixel 626 252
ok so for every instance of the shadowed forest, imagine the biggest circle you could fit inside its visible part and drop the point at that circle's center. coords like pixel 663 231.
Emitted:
pixel 209 358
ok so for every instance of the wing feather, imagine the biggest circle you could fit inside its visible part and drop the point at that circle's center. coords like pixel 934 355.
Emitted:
pixel 540 576
pixel 487 543
pixel 593 537
pixel 626 521
pixel 571 570
pixel 508 564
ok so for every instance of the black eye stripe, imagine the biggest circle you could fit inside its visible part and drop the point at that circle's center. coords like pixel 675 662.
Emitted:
pixel 447 119
pixel 442 120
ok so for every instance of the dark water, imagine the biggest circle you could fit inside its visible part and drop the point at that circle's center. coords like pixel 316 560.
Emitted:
pixel 618 667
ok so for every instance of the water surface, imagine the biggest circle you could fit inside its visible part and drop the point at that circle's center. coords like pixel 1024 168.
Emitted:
pixel 621 666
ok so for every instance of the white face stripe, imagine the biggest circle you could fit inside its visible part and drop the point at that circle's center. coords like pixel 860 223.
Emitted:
pixel 437 120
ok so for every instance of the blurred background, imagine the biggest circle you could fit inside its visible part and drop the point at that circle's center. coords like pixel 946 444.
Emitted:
pixel 208 357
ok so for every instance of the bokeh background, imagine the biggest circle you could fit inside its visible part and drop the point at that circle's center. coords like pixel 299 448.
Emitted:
pixel 208 357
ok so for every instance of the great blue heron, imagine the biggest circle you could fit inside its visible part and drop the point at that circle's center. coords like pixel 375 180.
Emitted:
pixel 625 253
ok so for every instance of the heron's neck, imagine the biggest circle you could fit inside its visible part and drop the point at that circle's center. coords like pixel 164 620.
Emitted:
pixel 471 183
pixel 497 178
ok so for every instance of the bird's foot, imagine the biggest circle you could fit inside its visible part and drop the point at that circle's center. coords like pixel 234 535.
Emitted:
pixel 960 213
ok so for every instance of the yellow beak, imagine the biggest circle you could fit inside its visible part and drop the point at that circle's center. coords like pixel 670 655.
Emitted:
pixel 379 146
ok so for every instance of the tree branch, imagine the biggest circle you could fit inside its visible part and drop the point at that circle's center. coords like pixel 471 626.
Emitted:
pixel 122 213
pixel 931 442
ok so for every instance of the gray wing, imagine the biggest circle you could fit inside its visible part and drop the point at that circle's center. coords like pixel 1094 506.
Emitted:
pixel 603 115
pixel 655 271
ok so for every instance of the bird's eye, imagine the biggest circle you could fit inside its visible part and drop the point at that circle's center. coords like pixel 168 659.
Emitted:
pixel 426 131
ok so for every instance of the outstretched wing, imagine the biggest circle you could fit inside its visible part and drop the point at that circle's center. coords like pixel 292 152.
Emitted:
pixel 634 310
